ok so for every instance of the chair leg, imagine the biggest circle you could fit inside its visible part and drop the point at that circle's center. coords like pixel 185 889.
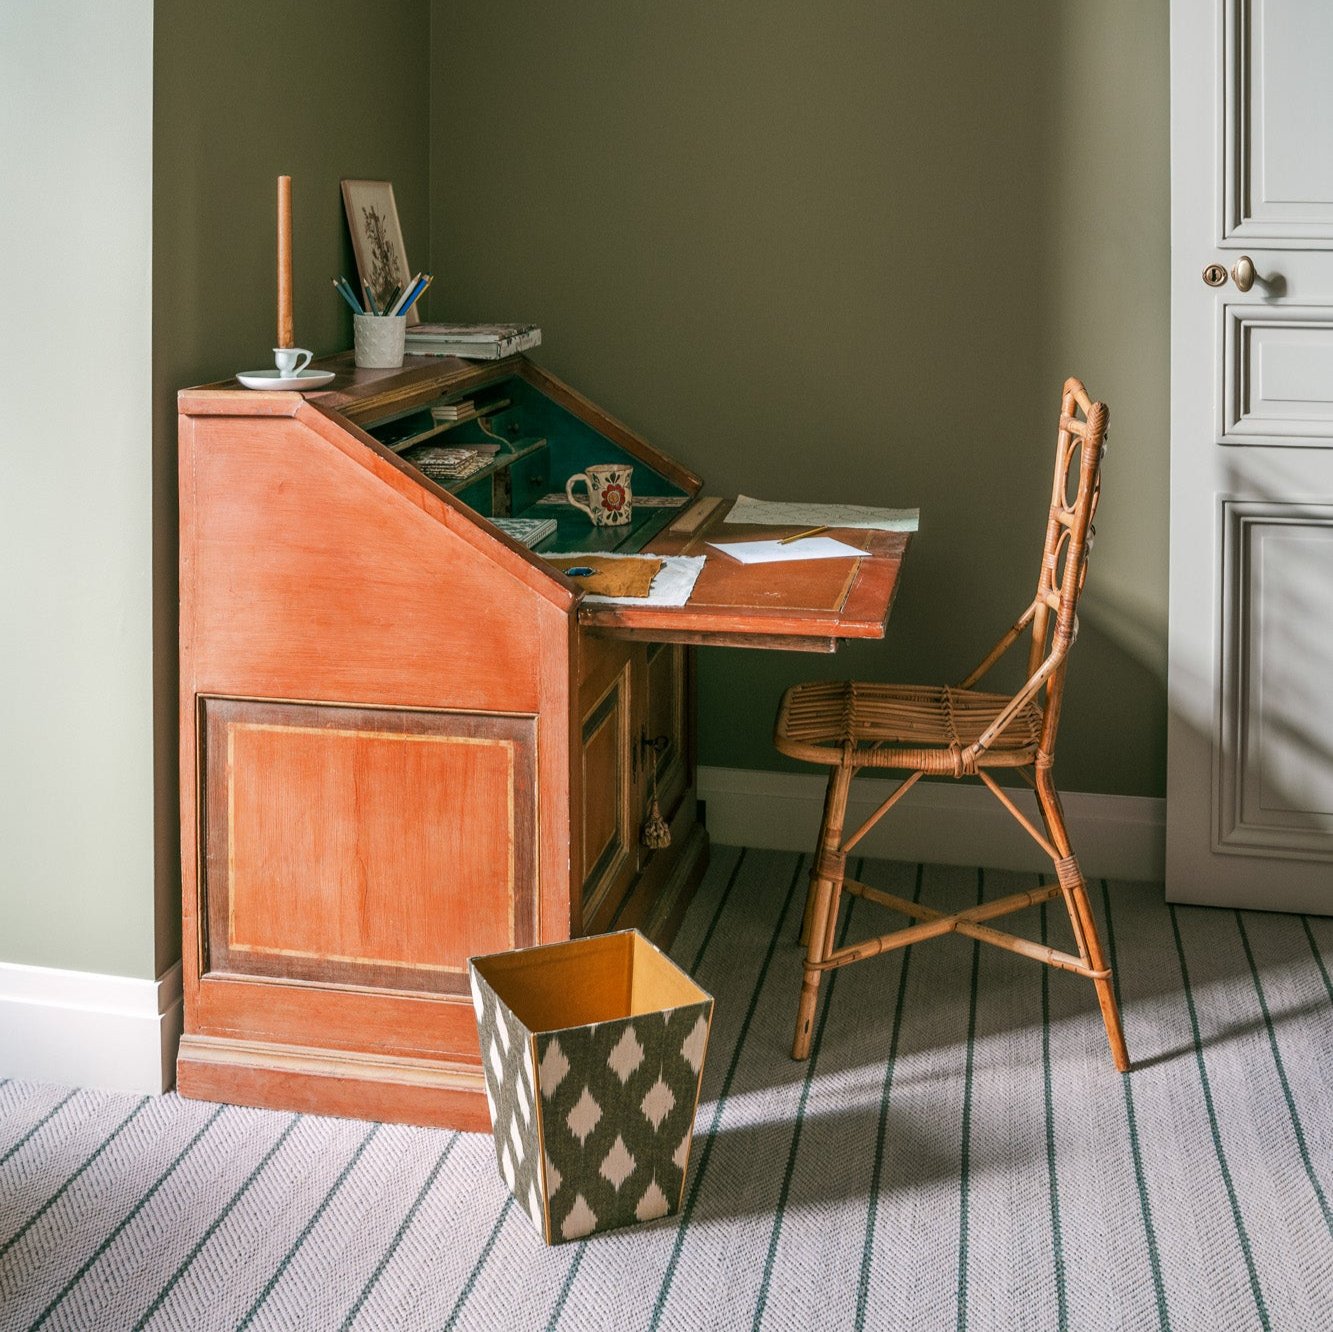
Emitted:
pixel 1081 919
pixel 821 847
pixel 825 890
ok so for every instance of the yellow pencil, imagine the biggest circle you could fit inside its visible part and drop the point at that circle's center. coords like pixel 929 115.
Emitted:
pixel 796 536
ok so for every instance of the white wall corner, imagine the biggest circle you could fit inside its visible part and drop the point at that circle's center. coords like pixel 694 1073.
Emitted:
pixel 83 1029
pixel 1114 837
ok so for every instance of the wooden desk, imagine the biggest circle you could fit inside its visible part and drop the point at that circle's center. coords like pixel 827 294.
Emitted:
pixel 808 606
pixel 406 739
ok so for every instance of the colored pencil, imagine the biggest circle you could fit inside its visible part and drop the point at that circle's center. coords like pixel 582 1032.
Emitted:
pixel 343 290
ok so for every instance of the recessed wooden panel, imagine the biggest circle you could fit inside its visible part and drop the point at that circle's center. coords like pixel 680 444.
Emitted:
pixel 364 847
pixel 1275 779
pixel 1278 366
pixel 666 706
pixel 607 835
pixel 1279 149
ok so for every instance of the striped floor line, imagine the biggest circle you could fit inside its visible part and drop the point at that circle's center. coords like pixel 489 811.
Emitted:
pixel 1318 957
pixel 697 962
pixel 812 1064
pixel 1052 1172
pixel 1127 1083
pixel 966 1154
pixel 398 1235
pixel 870 1188
pixel 38 1126
pixel 161 1297
pixel 1247 1250
pixel 881 1130
pixel 478 1265
pixel 1297 1127
pixel 701 1171
pixel 119 1228
pixel 72 1180
pixel 249 1316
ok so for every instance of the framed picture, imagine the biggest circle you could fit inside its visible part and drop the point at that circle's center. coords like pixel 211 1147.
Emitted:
pixel 377 238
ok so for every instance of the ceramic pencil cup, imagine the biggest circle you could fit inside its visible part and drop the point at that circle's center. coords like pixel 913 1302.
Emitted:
pixel 610 500
pixel 378 341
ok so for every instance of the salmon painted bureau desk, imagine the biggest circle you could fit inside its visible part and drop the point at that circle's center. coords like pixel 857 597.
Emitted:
pixel 407 739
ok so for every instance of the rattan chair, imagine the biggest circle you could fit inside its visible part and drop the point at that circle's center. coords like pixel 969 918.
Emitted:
pixel 960 731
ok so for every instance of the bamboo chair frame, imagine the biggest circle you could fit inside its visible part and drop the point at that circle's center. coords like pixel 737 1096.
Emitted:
pixel 960 731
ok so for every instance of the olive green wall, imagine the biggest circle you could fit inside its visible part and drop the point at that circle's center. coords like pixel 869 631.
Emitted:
pixel 847 251
pixel 244 92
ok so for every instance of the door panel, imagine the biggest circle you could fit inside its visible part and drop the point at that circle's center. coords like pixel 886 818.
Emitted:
pixel 1250 744
pixel 1278 366
pixel 1277 782
pixel 1277 121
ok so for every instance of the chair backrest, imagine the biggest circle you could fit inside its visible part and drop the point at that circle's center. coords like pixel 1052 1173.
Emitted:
pixel 1075 491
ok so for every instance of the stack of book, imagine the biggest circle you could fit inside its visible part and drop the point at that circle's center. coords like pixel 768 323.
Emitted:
pixel 480 342
pixel 450 464
pixel 526 531
pixel 452 411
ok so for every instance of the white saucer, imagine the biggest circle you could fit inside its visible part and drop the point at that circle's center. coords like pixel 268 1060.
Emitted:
pixel 275 379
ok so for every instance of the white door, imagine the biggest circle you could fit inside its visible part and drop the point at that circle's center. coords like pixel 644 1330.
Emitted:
pixel 1250 745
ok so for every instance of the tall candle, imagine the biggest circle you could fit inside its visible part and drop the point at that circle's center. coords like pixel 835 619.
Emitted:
pixel 285 336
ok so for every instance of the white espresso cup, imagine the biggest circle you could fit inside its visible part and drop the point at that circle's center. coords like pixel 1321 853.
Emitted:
pixel 291 360
pixel 610 499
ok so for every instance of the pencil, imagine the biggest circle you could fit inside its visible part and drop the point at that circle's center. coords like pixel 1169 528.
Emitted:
pixel 343 290
pixel 796 536
pixel 396 308
pixel 416 294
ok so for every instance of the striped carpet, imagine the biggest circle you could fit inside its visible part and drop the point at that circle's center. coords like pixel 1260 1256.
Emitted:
pixel 957 1153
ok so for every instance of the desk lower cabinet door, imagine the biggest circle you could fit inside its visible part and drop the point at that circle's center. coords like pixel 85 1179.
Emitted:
pixel 365 847
pixel 352 859
pixel 635 706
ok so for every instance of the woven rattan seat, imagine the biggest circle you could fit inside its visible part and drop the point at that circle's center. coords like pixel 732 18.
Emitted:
pixel 902 726
pixel 961 732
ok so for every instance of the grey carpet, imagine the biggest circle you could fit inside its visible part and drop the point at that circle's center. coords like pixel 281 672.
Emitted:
pixel 958 1153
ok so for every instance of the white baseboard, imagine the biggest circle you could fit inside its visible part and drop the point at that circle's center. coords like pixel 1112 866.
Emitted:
pixel 83 1029
pixel 1114 837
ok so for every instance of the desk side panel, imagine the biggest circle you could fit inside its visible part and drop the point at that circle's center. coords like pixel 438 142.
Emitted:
pixel 361 670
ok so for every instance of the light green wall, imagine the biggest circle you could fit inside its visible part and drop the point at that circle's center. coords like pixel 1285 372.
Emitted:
pixel 76 762
pixel 847 251
pixel 143 260
pixel 245 92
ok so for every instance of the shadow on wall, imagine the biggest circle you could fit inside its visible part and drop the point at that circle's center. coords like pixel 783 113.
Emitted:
pixel 737 704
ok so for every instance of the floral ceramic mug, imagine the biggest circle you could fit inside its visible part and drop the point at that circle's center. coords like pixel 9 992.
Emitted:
pixel 609 496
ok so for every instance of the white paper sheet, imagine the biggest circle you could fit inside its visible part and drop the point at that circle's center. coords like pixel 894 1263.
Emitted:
pixel 770 513
pixel 672 584
pixel 775 552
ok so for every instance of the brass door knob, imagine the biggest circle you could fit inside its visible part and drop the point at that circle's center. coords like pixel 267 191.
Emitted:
pixel 1242 273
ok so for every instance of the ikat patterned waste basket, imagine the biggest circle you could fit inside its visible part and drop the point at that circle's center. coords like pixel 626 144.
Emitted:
pixel 593 1053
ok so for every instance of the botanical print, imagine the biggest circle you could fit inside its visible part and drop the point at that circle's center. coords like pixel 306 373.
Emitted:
pixel 377 238
pixel 385 264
